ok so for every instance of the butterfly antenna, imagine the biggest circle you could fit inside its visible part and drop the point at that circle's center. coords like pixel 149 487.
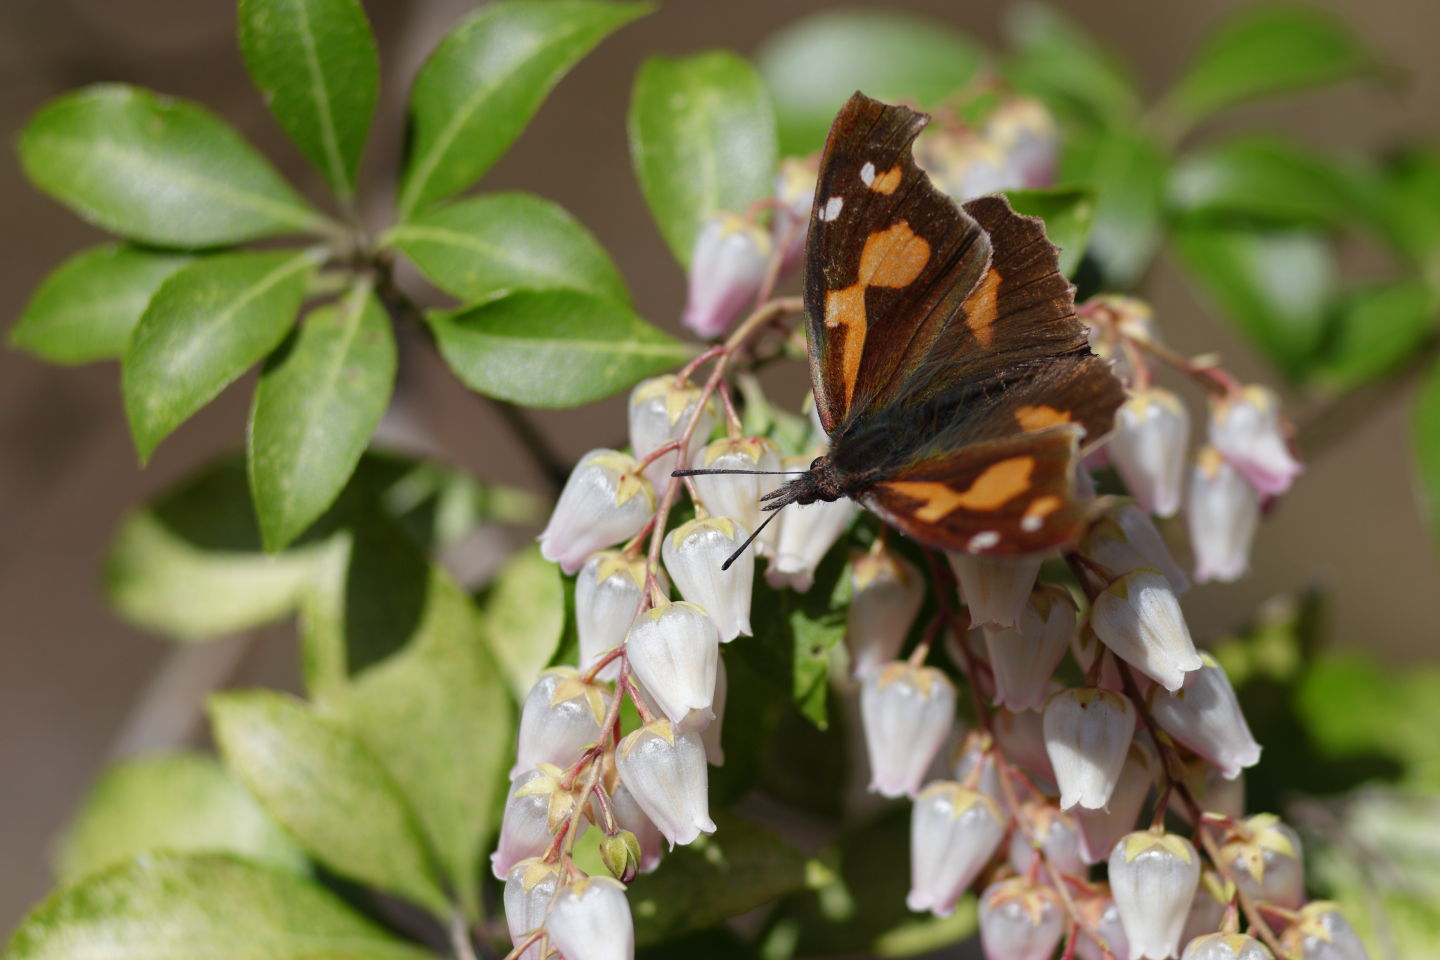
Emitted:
pixel 747 473
pixel 749 540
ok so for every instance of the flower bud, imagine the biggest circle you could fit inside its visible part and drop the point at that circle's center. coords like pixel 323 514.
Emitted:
pixel 660 410
pixel 1101 916
pixel 1207 911
pixel 995 589
pixel 1248 431
pixel 1205 716
pixel 1153 878
pixel 727 268
pixel 906 712
pixel 807 532
pixel 693 554
pixel 621 855
pixel 607 599
pixel 1138 617
pixel 1323 933
pixel 1223 516
pixel 1152 431
pixel 795 194
pixel 1263 855
pixel 1025 656
pixel 591 921
pixel 1056 834
pixel 536 808
pixel 1087 736
pixel 953 834
pixel 1101 829
pixel 1021 737
pixel 529 888
pixel 1226 946
pixel 560 717
pixel 634 821
pixel 1020 920
pixel 712 733
pixel 738 495
pixel 885 597
pixel 1126 539
pixel 673 649
pixel 605 501
pixel 665 771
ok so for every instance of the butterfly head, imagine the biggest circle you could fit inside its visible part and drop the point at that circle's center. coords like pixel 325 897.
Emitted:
pixel 820 482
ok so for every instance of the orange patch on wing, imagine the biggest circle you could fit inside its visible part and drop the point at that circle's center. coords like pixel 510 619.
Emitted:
pixel 1044 506
pixel 887 181
pixel 846 308
pixel 980 307
pixel 1039 417
pixel 996 486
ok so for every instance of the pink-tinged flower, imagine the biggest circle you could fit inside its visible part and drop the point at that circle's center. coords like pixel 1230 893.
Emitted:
pixel 1263 855
pixel 1021 738
pixel 1027 133
pixel 1025 656
pixel 1152 431
pixel 1207 911
pixel 1223 516
pixel 807 532
pixel 630 816
pixel 673 649
pixel 694 552
pixel 559 719
pixel 995 589
pixel 606 500
pixel 1247 429
pixel 907 713
pixel 529 888
pixel 660 409
pixel 711 734
pixel 1205 716
pixel 1101 916
pixel 607 599
pixel 953 833
pixel 1087 737
pixel 975 750
pixel 1215 792
pixel 1153 878
pixel 1226 946
pixel 886 592
pixel 1323 933
pixel 794 195
pixel 727 268
pixel 1101 829
pixel 738 495
pixel 1020 920
pixel 1138 617
pixel 1110 315
pixel 1126 539
pixel 536 808
pixel 591 921
pixel 1086 647
pixel 665 770
pixel 1056 834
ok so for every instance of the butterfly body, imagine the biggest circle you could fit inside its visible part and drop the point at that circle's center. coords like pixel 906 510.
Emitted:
pixel 949 369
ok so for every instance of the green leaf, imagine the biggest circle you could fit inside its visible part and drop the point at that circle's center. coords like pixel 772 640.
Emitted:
pixel 210 906
pixel 1275 285
pixel 1059 62
pixel 1127 172
pixel 158 170
pixel 328 790
pixel 552 348
pixel 813 66
pixel 525 615
pixel 740 868
pixel 1264 178
pixel 316 65
pixel 1410 208
pixel 317 405
pixel 205 326
pixel 1068 213
pixel 1261 51
pixel 85 309
pixel 1426 440
pixel 182 802
pixel 702 138
pixel 485 80
pixel 1377 329
pixel 480 246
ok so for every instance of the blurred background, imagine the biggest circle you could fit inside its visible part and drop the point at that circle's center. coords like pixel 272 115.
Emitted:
pixel 77 685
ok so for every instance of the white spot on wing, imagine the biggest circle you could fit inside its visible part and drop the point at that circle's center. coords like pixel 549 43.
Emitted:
pixel 983 540
pixel 867 173
pixel 831 210
pixel 1030 523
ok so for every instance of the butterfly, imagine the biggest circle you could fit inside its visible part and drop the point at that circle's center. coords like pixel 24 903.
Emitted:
pixel 949 369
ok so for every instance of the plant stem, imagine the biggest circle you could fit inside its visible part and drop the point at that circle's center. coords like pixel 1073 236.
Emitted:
pixel 460 936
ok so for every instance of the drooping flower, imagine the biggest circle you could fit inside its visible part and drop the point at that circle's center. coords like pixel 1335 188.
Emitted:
pixel 1205 716
pixel 795 194
pixel 1021 738
pixel 590 920
pixel 1054 831
pixel 560 717
pixel 1020 920
pixel 1323 933
pixel 1207 911
pixel 606 500
pixel 694 553
pixel 1088 732
pixel 529 888
pixel 886 592
pixel 538 805
pixel 1138 617
pixel 807 532
pixel 630 816
pixel 1247 429
pixel 711 733
pixel 607 600
pixel 1126 539
pixel 664 768
pixel 995 589
pixel 1152 431
pixel 660 409
pixel 727 269
pixel 673 649
pixel 1264 857
pixel 1153 877
pixel 1025 656
pixel 953 833
pixel 1223 516
pixel 1226 946
pixel 1101 829
pixel 907 713
pixel 1101 916
pixel 738 495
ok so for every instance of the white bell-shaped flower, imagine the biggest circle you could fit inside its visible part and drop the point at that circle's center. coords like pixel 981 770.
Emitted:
pixel 560 717
pixel 995 589
pixel 712 733
pixel 1264 857
pixel 974 751
pixel 1025 656
pixel 1223 515
pixel 607 600
pixel 1323 933
pixel 1056 834
pixel 1205 716
pixel 1139 618
pixel 738 495
pixel 590 920
pixel 794 195
pixel 605 500
pixel 906 712
pixel 630 816
pixel 1153 878
pixel 694 552
pixel 1101 829
pixel 535 809
pixel 1248 431
pixel 1226 946
pixel 1101 916
pixel 664 768
pixel 1020 920
pixel 953 834
pixel 886 592
pixel 727 267
pixel 673 649
pixel 1126 539
pixel 1152 432
pixel 660 410
pixel 1088 732
pixel 1021 738
pixel 807 532
pixel 1086 647
pixel 529 888
pixel 1207 910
